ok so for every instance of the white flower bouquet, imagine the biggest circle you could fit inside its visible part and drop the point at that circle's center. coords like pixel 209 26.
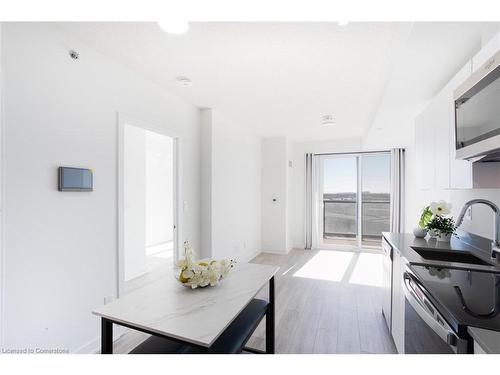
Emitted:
pixel 194 273
pixel 435 220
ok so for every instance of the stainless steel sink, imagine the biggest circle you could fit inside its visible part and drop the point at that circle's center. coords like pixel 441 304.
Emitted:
pixel 448 256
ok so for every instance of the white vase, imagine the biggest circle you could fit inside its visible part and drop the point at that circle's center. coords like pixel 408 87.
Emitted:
pixel 444 237
pixel 419 232
pixel 433 233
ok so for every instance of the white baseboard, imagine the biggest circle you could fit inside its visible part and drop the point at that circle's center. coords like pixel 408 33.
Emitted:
pixel 249 257
pixel 280 252
pixel 137 275
pixel 94 346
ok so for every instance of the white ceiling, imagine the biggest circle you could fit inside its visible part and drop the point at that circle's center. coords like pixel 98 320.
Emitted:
pixel 281 78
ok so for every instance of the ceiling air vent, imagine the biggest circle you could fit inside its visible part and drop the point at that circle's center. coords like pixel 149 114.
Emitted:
pixel 327 120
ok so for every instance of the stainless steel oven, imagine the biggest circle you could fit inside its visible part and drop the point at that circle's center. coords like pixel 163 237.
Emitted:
pixel 426 331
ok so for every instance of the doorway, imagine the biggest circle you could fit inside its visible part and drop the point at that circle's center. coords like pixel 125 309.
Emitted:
pixel 354 199
pixel 147 204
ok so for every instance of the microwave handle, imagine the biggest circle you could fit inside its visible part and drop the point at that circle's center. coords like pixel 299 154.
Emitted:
pixel 445 333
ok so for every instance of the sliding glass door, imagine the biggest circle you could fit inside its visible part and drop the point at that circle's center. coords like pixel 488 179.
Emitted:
pixel 354 198
pixel 340 199
pixel 375 187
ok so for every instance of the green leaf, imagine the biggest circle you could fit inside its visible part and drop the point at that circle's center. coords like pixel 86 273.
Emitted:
pixel 425 218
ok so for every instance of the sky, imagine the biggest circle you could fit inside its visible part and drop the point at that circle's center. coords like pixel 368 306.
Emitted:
pixel 340 173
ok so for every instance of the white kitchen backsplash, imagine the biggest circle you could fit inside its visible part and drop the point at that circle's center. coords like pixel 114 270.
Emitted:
pixel 482 218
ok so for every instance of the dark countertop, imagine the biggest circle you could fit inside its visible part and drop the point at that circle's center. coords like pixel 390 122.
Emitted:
pixel 405 241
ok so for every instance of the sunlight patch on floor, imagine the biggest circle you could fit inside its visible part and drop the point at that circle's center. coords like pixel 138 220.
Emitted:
pixel 344 266
pixel 160 248
pixel 368 270
pixel 326 265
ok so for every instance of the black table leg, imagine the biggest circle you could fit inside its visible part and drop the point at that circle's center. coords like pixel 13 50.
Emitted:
pixel 270 319
pixel 106 336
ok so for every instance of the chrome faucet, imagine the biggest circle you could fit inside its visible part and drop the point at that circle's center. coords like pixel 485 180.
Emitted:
pixel 495 244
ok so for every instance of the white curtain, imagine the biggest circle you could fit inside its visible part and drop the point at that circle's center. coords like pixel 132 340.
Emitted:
pixel 312 206
pixel 397 189
pixel 308 201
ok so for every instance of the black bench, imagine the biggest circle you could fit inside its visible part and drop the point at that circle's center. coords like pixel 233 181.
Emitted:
pixel 231 341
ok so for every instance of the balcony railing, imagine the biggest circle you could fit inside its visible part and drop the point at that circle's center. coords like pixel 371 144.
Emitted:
pixel 340 218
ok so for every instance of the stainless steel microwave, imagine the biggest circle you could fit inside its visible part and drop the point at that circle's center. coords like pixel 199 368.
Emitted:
pixel 477 113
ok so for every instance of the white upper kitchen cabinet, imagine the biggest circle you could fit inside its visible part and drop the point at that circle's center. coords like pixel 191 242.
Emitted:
pixel 435 142
pixel 441 123
pixel 425 148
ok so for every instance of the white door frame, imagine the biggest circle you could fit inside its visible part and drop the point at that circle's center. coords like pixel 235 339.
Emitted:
pixel 122 120
pixel 2 200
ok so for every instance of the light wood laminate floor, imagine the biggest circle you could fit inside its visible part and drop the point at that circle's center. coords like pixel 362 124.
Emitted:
pixel 327 301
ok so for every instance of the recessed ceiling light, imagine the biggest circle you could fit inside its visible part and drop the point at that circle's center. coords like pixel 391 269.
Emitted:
pixel 184 81
pixel 174 26
pixel 327 120
pixel 343 23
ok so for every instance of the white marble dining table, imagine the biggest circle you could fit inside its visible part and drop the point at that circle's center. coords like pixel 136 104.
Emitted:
pixel 195 317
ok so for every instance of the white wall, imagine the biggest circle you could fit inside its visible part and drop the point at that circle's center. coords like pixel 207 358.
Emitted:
pixel 289 188
pixel 2 270
pixel 60 248
pixel 206 182
pixel 482 222
pixel 134 196
pixel 400 135
pixel 297 193
pixel 235 181
pixel 275 195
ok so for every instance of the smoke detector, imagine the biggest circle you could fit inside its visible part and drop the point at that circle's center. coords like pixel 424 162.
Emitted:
pixel 74 55
pixel 327 120
pixel 184 81
pixel 174 26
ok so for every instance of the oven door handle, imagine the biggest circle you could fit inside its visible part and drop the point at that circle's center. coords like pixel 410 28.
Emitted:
pixel 442 330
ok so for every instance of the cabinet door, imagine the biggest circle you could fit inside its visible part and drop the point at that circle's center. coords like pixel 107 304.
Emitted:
pixel 441 123
pixel 424 149
pixel 436 164
pixel 398 303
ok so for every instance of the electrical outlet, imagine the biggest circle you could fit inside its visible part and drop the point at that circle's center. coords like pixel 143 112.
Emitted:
pixel 244 244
